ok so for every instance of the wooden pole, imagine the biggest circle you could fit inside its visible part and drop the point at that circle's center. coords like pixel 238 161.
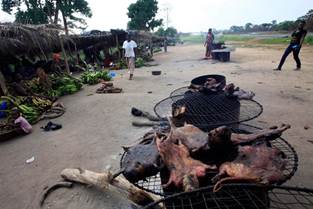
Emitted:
pixel 2 84
pixel 65 57
pixel 118 47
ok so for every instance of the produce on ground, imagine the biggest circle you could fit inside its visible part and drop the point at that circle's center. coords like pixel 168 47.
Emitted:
pixel 63 85
pixel 94 77
pixel 139 62
pixel 60 85
pixel 122 64
pixel 31 107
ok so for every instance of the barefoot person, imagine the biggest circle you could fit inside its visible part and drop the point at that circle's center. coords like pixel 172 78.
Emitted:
pixel 129 48
pixel 208 43
pixel 297 38
pixel 22 125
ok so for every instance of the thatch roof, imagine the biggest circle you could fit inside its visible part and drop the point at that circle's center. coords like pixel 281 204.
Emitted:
pixel 17 39
pixel 41 40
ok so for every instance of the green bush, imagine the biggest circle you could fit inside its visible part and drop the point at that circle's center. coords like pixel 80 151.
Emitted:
pixel 309 40
pixel 139 62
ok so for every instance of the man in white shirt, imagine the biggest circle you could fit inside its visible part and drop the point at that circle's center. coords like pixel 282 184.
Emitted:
pixel 129 48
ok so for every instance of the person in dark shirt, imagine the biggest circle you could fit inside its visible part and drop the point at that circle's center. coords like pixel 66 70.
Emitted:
pixel 297 38
pixel 208 44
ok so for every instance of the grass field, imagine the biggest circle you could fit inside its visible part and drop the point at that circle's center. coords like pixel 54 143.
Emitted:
pixel 244 38
pixel 195 39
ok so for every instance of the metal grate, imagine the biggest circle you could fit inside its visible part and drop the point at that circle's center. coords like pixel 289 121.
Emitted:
pixel 240 196
pixel 210 111
pixel 153 184
pixel 181 91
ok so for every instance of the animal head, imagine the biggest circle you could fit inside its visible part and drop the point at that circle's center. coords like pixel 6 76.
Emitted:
pixel 134 172
pixel 219 136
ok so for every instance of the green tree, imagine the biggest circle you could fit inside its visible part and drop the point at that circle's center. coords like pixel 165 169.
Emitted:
pixel 34 13
pixel 171 32
pixel 248 27
pixel 160 31
pixel 47 11
pixel 69 8
pixel 142 15
pixel 308 17
pixel 286 26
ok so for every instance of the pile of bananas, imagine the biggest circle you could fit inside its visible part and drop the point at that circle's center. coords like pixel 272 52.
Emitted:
pixel 31 114
pixel 41 103
pixel 30 107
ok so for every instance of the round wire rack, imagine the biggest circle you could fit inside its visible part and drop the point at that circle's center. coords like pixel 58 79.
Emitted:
pixel 210 111
pixel 180 91
pixel 153 184
pixel 240 196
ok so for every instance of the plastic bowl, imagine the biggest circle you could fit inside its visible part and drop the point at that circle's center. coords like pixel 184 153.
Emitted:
pixel 156 72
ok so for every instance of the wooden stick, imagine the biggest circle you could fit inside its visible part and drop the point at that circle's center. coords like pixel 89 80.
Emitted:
pixel 2 84
pixel 65 56
pixel 103 180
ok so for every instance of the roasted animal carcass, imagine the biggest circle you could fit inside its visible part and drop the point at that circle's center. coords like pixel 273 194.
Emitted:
pixel 257 164
pixel 141 160
pixel 184 170
pixel 267 134
pixel 190 136
pixel 222 135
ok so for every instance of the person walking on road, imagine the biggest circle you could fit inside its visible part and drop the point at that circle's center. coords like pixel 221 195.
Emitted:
pixel 297 38
pixel 129 47
pixel 209 44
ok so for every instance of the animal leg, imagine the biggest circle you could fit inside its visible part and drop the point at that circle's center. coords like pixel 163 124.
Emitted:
pixel 219 185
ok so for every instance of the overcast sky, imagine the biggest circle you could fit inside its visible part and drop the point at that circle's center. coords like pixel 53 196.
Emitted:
pixel 197 15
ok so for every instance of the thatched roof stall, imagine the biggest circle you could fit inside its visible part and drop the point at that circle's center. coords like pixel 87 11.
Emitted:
pixel 28 40
pixel 100 38
pixel 146 42
pixel 31 41
pixel 42 40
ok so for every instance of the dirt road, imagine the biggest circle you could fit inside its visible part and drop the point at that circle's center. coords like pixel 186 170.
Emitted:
pixel 95 126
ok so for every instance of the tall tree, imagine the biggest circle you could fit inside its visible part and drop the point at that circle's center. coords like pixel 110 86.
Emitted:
pixel 142 15
pixel 248 27
pixel 69 9
pixel 47 11
pixel 170 32
pixel 308 17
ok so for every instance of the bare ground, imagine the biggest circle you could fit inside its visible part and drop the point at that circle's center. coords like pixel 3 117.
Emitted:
pixel 95 126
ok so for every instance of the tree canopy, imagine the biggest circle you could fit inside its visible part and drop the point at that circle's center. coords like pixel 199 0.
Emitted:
pixel 169 32
pixel 47 11
pixel 287 25
pixel 142 15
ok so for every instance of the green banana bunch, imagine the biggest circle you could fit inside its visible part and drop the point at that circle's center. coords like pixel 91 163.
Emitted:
pixel 30 113
pixel 41 103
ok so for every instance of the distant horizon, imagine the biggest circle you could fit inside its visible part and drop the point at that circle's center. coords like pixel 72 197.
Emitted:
pixel 197 16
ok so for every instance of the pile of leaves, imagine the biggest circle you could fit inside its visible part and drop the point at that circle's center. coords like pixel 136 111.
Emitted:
pixel 64 85
pixel 121 64
pixel 94 77
pixel 139 62
pixel 60 85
